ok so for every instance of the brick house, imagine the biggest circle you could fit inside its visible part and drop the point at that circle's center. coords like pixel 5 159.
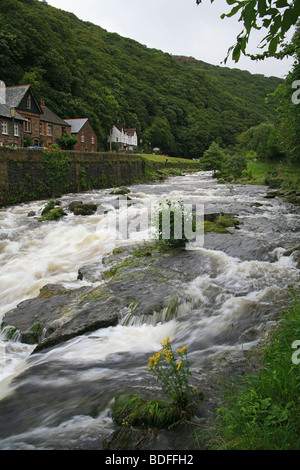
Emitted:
pixel 83 131
pixel 51 126
pixel 23 100
pixel 11 128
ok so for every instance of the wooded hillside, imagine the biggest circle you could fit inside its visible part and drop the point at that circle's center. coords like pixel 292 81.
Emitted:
pixel 178 104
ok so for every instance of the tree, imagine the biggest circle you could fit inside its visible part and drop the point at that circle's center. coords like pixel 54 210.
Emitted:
pixel 212 158
pixel 276 16
pixel 67 142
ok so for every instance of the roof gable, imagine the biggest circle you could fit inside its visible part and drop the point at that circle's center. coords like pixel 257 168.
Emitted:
pixel 76 124
pixel 16 97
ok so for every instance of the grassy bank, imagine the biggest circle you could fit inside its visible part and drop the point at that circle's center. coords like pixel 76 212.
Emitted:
pixel 160 167
pixel 166 159
pixel 262 410
pixel 276 175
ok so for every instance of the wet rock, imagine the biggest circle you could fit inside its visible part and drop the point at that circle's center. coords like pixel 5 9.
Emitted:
pixel 31 214
pixel 120 190
pixel 44 313
pixel 80 208
pixel 127 438
pixel 271 195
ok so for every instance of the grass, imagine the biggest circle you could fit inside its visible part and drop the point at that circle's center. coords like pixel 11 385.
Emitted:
pixel 132 410
pixel 263 410
pixel 162 159
pixel 287 176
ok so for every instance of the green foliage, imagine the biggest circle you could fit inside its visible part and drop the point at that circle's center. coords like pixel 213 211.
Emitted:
pixel 180 105
pixel 67 142
pixel 232 167
pixel 264 140
pixel 173 374
pixel 57 165
pixel 132 410
pixel 53 214
pixel 264 411
pixel 213 158
pixel 289 107
pixel 276 16
pixel 176 225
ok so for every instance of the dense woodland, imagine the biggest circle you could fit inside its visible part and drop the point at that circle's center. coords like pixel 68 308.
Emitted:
pixel 178 104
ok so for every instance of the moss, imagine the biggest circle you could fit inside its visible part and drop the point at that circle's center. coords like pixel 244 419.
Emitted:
pixel 220 223
pixel 53 214
pixel 37 330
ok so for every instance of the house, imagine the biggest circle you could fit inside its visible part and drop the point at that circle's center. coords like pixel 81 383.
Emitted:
pixel 83 131
pixel 23 100
pixel 51 126
pixel 125 138
pixel 11 126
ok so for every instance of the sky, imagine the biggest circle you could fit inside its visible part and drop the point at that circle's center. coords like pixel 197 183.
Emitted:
pixel 178 27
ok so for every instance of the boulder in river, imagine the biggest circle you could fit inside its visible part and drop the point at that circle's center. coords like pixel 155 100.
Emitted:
pixel 80 208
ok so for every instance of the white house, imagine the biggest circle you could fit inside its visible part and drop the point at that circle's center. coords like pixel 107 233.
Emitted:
pixel 125 138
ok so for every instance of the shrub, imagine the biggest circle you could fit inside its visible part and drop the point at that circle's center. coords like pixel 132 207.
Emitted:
pixel 173 224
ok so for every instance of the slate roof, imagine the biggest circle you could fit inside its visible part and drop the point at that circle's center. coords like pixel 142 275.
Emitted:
pixel 5 112
pixel 76 124
pixel 15 94
pixel 50 116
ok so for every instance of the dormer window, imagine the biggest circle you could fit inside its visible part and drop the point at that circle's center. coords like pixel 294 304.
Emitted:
pixel 28 102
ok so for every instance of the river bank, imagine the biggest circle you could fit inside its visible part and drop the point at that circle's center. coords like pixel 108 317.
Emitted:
pixel 223 299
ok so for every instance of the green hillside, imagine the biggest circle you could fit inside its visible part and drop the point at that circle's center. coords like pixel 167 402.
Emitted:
pixel 178 104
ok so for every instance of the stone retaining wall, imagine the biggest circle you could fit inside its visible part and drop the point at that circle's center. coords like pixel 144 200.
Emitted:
pixel 24 175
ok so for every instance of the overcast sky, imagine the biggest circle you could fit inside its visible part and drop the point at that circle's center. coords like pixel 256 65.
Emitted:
pixel 178 27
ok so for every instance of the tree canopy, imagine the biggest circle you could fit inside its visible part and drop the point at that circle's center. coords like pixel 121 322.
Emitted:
pixel 276 17
pixel 178 104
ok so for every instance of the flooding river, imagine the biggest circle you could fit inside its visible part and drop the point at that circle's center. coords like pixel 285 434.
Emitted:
pixel 61 398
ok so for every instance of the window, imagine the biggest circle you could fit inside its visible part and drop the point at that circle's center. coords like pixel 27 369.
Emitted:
pixel 82 138
pixel 93 140
pixel 4 127
pixel 28 102
pixel 49 129
pixel 16 129
pixel 27 125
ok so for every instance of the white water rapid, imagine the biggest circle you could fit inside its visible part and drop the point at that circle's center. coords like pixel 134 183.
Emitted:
pixel 61 398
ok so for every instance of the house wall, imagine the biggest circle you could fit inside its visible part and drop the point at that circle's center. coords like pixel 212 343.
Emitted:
pixel 56 132
pixel 24 175
pixel 87 134
pixel 7 139
pixel 35 126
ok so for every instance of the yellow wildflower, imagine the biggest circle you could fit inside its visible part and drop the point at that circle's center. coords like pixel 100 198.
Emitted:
pixel 166 343
pixel 154 360
pixel 182 350
pixel 178 365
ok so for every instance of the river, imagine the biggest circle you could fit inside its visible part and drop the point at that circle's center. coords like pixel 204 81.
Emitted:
pixel 61 398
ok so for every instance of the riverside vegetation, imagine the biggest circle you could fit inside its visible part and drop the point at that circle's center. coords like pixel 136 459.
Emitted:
pixel 177 104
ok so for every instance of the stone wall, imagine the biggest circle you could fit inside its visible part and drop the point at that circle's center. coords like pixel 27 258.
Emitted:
pixel 25 175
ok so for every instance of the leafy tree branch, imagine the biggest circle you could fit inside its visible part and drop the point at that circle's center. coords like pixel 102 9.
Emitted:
pixel 277 17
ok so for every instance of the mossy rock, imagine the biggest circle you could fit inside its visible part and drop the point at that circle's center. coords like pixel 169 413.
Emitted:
pixel 80 208
pixel 133 410
pixel 121 190
pixel 53 214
